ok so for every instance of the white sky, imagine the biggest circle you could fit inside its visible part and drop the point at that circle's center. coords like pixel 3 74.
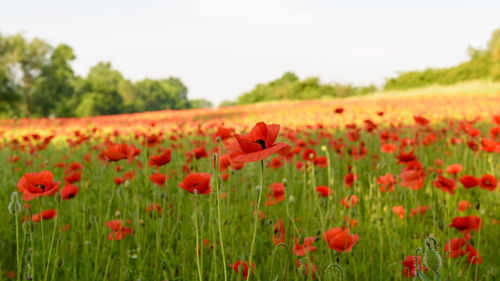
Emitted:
pixel 222 48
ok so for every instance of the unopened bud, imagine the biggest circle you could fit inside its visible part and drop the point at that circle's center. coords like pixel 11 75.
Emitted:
pixel 432 259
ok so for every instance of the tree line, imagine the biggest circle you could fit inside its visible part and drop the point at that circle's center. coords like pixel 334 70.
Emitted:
pixel 37 80
pixel 482 64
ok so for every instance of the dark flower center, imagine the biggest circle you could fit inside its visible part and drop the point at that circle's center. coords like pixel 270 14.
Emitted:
pixel 262 143
pixel 41 186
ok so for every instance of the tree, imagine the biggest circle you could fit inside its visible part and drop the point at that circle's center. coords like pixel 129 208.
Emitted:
pixel 53 89
pixel 200 103
pixel 99 95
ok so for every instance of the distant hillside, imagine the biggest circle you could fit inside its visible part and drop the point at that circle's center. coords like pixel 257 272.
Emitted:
pixel 290 87
pixel 483 63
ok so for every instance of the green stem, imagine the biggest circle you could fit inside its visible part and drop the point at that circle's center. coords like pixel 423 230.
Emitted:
pixel 217 191
pixel 256 218
pixel 51 246
pixel 197 238
pixel 17 243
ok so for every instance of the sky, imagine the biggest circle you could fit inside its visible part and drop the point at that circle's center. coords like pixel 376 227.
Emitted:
pixel 223 48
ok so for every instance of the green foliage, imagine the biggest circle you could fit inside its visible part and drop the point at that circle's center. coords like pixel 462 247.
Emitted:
pixel 482 64
pixel 37 80
pixel 290 87
pixel 200 103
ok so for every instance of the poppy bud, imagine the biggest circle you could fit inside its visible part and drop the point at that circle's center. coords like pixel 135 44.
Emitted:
pixel 141 221
pixel 60 262
pixel 284 181
pixel 432 259
pixel 14 205
pixel 477 205
pixel 58 197
pixel 440 224
pixel 117 213
pixel 291 199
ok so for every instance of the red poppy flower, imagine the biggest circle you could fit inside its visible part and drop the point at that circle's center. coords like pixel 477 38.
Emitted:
pixel 420 210
pixel 488 182
pixel 257 145
pixel 69 191
pixel 33 185
pixel 118 180
pixel 323 190
pixel 118 230
pixel 420 120
pixel 339 110
pixel 309 154
pixel 399 210
pixel 278 194
pixel 278 232
pixel 387 182
pixel 410 268
pixel 340 240
pixel 44 215
pixel 465 224
pixel 196 181
pixel 445 184
pixel 469 181
pixel 388 148
pixel 349 179
pixel 454 169
pixel 275 163
pixel 404 157
pixel 473 256
pixel 413 179
pixel 321 161
pixel 73 177
pixel 306 247
pixel 463 205
pixel 244 272
pixel 307 266
pixel 199 152
pixel 223 133
pixel 455 247
pixel 161 159
pixel 158 178
pixel 118 152
pixel 353 200
pixel 153 207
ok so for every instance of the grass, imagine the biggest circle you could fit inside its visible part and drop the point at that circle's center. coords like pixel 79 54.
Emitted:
pixel 163 245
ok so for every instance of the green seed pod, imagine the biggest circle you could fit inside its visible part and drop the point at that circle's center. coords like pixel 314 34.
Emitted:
pixel 432 259
pixel 440 224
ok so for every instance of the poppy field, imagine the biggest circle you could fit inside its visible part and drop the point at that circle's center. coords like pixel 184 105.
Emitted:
pixel 368 188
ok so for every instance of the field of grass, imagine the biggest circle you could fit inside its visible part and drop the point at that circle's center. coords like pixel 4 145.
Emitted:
pixel 359 188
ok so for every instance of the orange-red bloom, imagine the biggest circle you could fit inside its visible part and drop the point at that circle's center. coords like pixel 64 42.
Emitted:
pixel 469 181
pixel 399 210
pixel 306 247
pixel 465 224
pixel 257 145
pixel 158 178
pixel 69 191
pixel 33 185
pixel 161 159
pixel 44 215
pixel 118 230
pixel 196 181
pixel 488 182
pixel 323 190
pixel 340 240
pixel 410 266
pixel 244 272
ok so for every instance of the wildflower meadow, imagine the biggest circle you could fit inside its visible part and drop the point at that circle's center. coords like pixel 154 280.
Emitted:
pixel 372 188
